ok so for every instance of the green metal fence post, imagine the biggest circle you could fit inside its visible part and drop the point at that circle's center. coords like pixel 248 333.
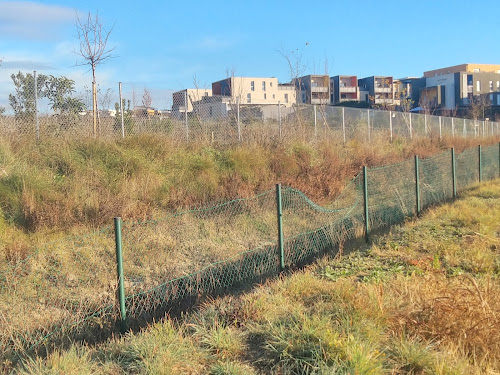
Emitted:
pixel 280 225
pixel 119 271
pixel 365 198
pixel 417 185
pixel 453 173
pixel 479 156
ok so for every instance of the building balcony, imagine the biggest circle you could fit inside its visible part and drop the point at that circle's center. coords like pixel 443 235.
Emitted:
pixel 319 89
pixel 320 101
pixel 383 89
pixel 384 101
pixel 348 89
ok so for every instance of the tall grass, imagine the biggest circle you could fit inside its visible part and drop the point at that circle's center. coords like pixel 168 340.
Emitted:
pixel 50 190
pixel 392 307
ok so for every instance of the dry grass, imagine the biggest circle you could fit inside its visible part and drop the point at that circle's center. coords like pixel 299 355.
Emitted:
pixel 391 309
pixel 48 192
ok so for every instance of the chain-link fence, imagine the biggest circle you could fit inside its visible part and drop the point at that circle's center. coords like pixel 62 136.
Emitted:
pixel 56 108
pixel 51 293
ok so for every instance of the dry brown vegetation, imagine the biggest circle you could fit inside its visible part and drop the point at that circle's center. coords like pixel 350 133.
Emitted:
pixel 50 190
pixel 408 304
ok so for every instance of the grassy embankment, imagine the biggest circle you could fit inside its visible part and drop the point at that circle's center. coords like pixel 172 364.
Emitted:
pixel 422 299
pixel 68 188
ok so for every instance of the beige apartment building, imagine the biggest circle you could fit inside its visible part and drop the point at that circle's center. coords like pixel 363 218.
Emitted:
pixel 466 68
pixel 256 91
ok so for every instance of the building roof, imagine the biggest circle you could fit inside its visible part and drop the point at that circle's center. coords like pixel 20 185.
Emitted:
pixel 468 67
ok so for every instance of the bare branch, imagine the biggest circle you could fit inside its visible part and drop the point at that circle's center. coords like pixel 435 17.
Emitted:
pixel 93 40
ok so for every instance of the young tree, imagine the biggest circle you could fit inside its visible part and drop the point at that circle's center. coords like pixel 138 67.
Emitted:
pixel 23 101
pixel 106 98
pixel 93 38
pixel 146 99
pixel 478 106
pixel 59 91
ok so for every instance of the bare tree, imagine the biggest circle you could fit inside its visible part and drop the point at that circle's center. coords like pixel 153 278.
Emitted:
pixel 93 40
pixel 146 99
pixel 478 106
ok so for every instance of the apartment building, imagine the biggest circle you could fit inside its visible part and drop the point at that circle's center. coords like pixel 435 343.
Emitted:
pixel 313 89
pixel 255 91
pixel 469 68
pixel 343 88
pixel 456 86
pixel 192 95
pixel 377 90
pixel 408 88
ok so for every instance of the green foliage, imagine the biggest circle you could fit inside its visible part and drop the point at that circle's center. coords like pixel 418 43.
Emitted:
pixel 23 102
pixel 58 90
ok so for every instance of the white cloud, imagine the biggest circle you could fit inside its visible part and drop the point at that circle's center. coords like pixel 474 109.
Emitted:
pixel 29 20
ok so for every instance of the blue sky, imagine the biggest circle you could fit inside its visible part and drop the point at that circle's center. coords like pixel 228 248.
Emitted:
pixel 165 45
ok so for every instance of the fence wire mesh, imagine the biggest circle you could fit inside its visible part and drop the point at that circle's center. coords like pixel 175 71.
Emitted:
pixel 390 199
pixel 61 289
pixel 67 288
pixel 57 108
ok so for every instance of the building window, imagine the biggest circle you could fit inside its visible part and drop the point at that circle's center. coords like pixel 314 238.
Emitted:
pixel 249 98
pixel 498 85
pixel 265 96
pixel 478 86
pixel 476 70
pixel 286 98
pixel 274 96
pixel 270 84
pixel 263 85
pixel 491 85
pixel 252 86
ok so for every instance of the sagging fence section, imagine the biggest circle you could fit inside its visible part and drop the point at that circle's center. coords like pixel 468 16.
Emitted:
pixel 126 275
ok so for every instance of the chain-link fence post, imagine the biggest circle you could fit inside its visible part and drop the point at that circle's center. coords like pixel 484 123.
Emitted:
pixel 315 122
pixel 440 131
pixel 365 201
pixel 186 115
pixel 480 163
pixel 279 118
pixel 121 109
pixel 238 117
pixel 390 123
pixel 368 122
pixel 119 271
pixel 453 173
pixel 343 123
pixel 411 128
pixel 37 123
pixel 279 212
pixel 417 186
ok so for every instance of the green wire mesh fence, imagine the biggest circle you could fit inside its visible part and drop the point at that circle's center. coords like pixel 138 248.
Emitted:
pixel 66 290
